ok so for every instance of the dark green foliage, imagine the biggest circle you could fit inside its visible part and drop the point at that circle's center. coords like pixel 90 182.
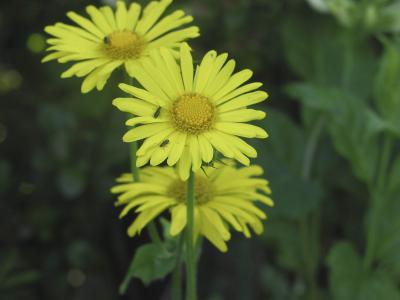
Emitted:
pixel 150 262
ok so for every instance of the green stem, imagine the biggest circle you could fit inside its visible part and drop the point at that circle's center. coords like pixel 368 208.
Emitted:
pixel 311 146
pixel 190 259
pixel 177 274
pixel 378 201
pixel 308 258
pixel 386 153
pixel 310 240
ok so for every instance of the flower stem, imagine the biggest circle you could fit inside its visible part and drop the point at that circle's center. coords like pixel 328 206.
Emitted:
pixel 177 274
pixel 190 259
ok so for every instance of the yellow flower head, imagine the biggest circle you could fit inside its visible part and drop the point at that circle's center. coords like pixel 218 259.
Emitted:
pixel 185 116
pixel 108 40
pixel 224 197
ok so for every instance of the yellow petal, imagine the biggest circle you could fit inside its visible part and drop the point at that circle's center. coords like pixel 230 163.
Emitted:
pixel 243 101
pixel 235 81
pixel 209 231
pixel 178 219
pixel 177 149
pixel 186 67
pixel 121 15
pixel 98 19
pixel 241 129
pixel 205 68
pixel 133 15
pixel 85 23
pixel 134 106
pixel 142 132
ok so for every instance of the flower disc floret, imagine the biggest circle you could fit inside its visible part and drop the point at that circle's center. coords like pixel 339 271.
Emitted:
pixel 203 190
pixel 193 113
pixel 123 45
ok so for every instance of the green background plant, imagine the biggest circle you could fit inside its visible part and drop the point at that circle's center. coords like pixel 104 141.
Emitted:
pixel 332 69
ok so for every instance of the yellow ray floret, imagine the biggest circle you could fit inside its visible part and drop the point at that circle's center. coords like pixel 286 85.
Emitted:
pixel 185 117
pixel 224 197
pixel 107 39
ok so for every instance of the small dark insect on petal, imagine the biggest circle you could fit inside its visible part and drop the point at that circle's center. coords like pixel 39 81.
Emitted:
pixel 106 40
pixel 164 143
pixel 157 112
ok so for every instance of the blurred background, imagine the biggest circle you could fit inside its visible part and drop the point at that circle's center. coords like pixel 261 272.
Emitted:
pixel 332 69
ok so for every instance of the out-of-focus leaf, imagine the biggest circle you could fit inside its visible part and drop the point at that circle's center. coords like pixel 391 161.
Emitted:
pixel 345 11
pixel 322 54
pixel 388 238
pixel 287 142
pixel 353 126
pixel 394 177
pixel 319 5
pixel 281 157
pixel 151 262
pixel 378 286
pixel 275 284
pixel 288 241
pixel 387 88
pixel 349 280
pixel 390 18
pixel 346 272
pixel 322 98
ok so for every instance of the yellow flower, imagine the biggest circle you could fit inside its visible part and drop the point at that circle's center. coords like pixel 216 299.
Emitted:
pixel 185 117
pixel 224 197
pixel 109 40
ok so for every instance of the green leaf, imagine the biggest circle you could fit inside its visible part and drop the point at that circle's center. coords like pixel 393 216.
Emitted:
pixel 275 283
pixel 390 18
pixel 388 238
pixel 394 177
pixel 354 127
pixel 150 262
pixel 319 5
pixel 387 86
pixel 346 272
pixel 378 286
pixel 285 235
pixel 350 281
pixel 282 156
pixel 319 97
pixel 321 53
